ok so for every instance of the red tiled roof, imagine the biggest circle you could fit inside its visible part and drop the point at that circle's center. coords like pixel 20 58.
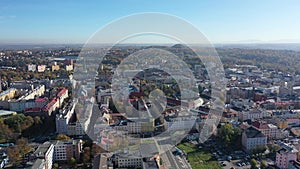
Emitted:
pixel 40 99
pixel 47 107
pixel 62 92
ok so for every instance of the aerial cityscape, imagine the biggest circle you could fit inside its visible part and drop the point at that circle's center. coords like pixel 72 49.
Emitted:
pixel 110 85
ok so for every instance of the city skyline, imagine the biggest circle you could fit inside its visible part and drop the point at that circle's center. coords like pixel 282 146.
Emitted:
pixel 221 22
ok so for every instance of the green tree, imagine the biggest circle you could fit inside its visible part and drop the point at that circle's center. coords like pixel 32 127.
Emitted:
pixel 229 135
pixel 62 137
pixel 72 162
pixel 253 164
pixel 263 165
pixel 55 166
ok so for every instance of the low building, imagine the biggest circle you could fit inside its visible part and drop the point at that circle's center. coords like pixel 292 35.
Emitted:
pixel 286 154
pixel 253 138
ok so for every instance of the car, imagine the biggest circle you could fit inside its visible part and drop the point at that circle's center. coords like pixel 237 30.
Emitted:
pixel 243 164
pixel 239 164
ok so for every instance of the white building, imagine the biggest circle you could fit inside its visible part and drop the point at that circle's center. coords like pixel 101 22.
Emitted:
pixel 252 138
pixel 31 67
pixel 45 152
pixel 252 114
pixel 64 150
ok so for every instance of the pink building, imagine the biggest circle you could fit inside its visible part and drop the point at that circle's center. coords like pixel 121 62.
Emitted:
pixel 285 155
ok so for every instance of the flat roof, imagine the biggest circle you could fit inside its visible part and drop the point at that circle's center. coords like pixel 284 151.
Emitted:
pixel 7 112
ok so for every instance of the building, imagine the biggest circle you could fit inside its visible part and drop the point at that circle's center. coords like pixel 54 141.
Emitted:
pixel 252 114
pixel 252 138
pixel 6 113
pixel 27 105
pixel 75 129
pixel 32 94
pixel 62 95
pixel 52 106
pixel 31 67
pixel 41 68
pixel 55 67
pixel 69 67
pixel 286 154
pixel 270 130
pixel 45 152
pixel 64 150
pixel 140 125
pixel 8 94
pixel 64 123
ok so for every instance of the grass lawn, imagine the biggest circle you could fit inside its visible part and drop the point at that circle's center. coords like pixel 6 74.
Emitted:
pixel 199 158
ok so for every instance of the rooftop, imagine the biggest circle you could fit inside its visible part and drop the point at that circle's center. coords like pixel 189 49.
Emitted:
pixel 252 132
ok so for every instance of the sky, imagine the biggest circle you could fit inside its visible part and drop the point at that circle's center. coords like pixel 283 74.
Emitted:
pixel 221 21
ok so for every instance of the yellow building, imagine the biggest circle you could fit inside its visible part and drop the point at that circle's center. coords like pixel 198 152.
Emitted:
pixel 8 94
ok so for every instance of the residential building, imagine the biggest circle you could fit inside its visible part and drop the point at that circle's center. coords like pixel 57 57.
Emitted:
pixel 8 94
pixel 286 154
pixel 64 150
pixel 31 67
pixel 267 129
pixel 69 67
pixel 41 68
pixel 252 138
pixel 45 152
pixel 252 114
pixel 140 125
pixel 55 67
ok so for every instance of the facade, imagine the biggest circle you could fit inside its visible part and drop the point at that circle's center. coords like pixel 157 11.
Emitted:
pixel 252 138
pixel 252 114
pixel 55 67
pixel 75 129
pixel 51 107
pixel 69 67
pixel 31 67
pixel 38 91
pixel 8 94
pixel 140 125
pixel 41 68
pixel 27 105
pixel 64 124
pixel 64 150
pixel 270 130
pixel 286 154
pixel 45 152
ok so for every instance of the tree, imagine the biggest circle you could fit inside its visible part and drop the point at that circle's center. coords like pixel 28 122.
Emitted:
pixel 55 166
pixel 253 164
pixel 37 120
pixel 86 154
pixel 72 162
pixel 13 154
pixel 23 146
pixel 263 165
pixel 229 135
pixel 62 137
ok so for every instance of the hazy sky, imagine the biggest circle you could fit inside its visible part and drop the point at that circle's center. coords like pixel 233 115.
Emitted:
pixel 67 21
